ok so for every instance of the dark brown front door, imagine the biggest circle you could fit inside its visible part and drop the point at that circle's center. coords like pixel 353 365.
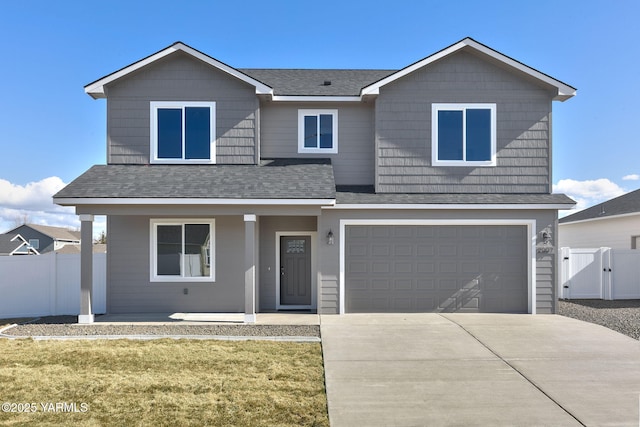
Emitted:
pixel 295 270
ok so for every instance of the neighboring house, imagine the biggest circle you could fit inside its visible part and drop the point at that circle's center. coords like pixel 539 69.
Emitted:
pixel 424 189
pixel 614 224
pixel 15 244
pixel 98 248
pixel 45 238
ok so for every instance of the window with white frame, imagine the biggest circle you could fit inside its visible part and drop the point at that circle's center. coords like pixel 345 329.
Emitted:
pixel 182 250
pixel 317 131
pixel 183 132
pixel 463 134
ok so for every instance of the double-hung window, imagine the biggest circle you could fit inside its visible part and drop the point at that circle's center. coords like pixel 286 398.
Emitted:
pixel 183 132
pixel 317 131
pixel 182 250
pixel 463 134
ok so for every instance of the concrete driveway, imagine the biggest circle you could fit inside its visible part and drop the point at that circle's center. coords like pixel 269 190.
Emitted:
pixel 484 369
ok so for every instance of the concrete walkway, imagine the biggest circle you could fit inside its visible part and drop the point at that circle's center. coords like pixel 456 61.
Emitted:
pixel 485 369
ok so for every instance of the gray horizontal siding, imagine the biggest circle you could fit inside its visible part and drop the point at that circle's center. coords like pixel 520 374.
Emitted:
pixel 354 162
pixel 129 289
pixel 268 269
pixel 403 130
pixel 180 78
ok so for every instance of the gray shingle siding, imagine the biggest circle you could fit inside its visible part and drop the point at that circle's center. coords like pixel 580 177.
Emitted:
pixel 179 77
pixel 403 130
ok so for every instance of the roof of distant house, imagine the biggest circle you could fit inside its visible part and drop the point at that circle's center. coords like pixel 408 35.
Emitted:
pixel 622 205
pixel 56 233
pixel 98 248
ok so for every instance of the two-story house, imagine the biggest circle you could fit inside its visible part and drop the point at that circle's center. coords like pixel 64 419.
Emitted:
pixel 46 238
pixel 424 189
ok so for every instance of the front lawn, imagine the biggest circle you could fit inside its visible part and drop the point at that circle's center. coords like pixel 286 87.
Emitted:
pixel 162 382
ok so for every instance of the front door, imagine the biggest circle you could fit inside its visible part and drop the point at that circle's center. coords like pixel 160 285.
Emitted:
pixel 295 270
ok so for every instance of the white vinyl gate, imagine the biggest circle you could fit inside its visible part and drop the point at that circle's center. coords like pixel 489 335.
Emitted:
pixel 48 285
pixel 600 273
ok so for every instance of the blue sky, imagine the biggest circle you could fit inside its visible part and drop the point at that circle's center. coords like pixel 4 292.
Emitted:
pixel 51 131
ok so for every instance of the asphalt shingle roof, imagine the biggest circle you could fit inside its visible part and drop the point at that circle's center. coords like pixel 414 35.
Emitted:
pixel 625 204
pixel 272 179
pixel 300 82
pixel 366 195
pixel 6 245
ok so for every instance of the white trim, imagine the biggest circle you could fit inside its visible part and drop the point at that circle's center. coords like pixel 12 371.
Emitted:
pixel 153 131
pixel 23 244
pixel 437 107
pixel 85 319
pixel 302 113
pixel 314 275
pixel 310 98
pixel 250 318
pixel 71 201
pixel 86 217
pixel 249 218
pixel 564 91
pixel 96 89
pixel 153 260
pixel 599 218
pixel 452 206
pixel 531 252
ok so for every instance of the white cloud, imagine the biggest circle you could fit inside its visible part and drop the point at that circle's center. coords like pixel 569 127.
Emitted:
pixel 631 177
pixel 33 196
pixel 33 202
pixel 588 193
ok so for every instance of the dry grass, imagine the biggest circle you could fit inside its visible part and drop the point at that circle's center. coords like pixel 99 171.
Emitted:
pixel 165 382
pixel 7 322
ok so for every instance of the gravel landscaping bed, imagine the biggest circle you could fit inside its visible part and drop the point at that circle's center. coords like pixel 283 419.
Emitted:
pixel 622 315
pixel 67 326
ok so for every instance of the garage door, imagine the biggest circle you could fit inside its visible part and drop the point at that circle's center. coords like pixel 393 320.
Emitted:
pixel 404 268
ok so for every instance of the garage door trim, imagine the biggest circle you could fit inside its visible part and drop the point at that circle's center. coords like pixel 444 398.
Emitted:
pixel 531 249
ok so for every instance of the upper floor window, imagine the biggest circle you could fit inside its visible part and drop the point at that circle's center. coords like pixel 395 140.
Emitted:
pixel 34 243
pixel 463 134
pixel 317 131
pixel 183 132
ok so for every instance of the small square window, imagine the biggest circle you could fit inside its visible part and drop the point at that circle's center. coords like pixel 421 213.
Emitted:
pixel 317 131
pixel 463 134
pixel 183 132
pixel 34 243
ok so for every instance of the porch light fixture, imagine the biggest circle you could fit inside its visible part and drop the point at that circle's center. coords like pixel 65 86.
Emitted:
pixel 330 237
pixel 546 237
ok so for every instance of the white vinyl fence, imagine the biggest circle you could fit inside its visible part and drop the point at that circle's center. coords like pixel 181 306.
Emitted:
pixel 48 285
pixel 599 273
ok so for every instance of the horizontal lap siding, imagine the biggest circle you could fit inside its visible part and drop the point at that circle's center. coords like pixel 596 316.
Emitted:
pixel 268 268
pixel 352 165
pixel 403 130
pixel 129 289
pixel 181 78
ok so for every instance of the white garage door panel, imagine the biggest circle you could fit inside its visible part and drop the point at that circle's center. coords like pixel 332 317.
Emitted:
pixel 409 268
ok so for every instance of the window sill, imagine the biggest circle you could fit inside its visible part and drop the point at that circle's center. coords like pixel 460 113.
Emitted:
pixel 455 163
pixel 317 151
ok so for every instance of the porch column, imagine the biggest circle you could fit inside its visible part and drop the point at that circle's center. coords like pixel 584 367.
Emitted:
pixel 86 268
pixel 249 268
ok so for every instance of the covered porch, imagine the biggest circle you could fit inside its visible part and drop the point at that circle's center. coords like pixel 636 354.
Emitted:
pixel 244 212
